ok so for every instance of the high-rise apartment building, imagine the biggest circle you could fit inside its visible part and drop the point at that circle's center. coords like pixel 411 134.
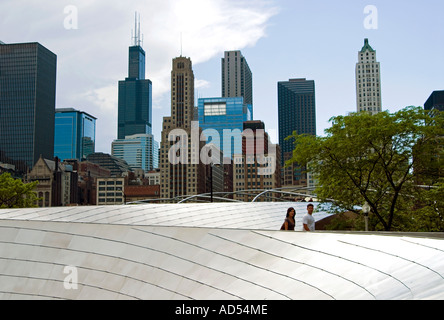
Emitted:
pixel 237 79
pixel 226 116
pixel 75 134
pixel 186 176
pixel 139 151
pixel 368 80
pixel 135 95
pixel 27 104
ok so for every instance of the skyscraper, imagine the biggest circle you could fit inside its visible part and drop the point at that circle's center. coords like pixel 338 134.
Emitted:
pixel 296 110
pixel 368 80
pixel 139 151
pixel 75 134
pixel 250 172
pixel 135 94
pixel 185 177
pixel 237 79
pixel 27 103
pixel 435 101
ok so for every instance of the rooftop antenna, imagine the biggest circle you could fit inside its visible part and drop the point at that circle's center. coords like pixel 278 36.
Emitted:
pixel 137 38
pixel 181 44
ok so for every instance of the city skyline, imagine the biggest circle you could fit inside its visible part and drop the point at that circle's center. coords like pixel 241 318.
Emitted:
pixel 280 39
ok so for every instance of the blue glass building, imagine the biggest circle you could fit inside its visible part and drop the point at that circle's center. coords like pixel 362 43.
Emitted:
pixel 227 114
pixel 28 74
pixel 139 151
pixel 75 134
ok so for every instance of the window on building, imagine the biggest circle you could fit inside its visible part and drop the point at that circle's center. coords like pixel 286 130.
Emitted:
pixel 215 109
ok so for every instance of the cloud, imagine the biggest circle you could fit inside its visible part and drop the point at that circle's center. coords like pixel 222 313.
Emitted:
pixel 201 84
pixel 93 58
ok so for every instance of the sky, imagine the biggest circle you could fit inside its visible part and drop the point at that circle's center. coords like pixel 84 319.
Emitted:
pixel 281 39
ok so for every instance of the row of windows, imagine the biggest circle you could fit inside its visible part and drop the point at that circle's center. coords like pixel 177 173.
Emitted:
pixel 110 200
pixel 110 188
pixel 215 109
pixel 110 194
pixel 111 182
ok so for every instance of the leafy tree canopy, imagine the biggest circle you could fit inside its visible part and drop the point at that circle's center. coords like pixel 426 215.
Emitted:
pixel 374 159
pixel 16 194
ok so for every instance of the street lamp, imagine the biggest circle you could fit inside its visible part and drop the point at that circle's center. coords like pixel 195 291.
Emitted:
pixel 366 209
pixel 211 180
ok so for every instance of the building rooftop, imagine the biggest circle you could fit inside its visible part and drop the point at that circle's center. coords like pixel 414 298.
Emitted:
pixel 206 252
pixel 367 46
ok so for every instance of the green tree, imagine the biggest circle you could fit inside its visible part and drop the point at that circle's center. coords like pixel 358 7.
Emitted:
pixel 371 158
pixel 16 194
pixel 429 215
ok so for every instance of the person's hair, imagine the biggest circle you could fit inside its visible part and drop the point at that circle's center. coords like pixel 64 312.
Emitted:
pixel 310 205
pixel 288 211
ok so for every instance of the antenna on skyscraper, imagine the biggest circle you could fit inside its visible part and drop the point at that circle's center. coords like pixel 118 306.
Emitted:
pixel 138 35
pixel 181 44
pixel 137 39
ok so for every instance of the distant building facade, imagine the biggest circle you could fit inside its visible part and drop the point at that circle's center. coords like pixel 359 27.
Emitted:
pixel 368 80
pixel 141 192
pixel 153 177
pixel 250 172
pixel 139 151
pixel 110 191
pixel 185 177
pixel 117 167
pixel 27 103
pixel 57 183
pixel 237 78
pixel 75 134
pixel 435 101
pixel 227 114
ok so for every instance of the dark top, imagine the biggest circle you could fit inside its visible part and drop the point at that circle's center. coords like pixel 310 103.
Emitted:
pixel 291 225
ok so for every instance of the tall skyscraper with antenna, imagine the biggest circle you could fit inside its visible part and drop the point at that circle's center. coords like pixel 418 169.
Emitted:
pixel 135 142
pixel 135 92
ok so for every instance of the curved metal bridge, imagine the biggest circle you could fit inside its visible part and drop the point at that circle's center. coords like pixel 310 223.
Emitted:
pixel 254 195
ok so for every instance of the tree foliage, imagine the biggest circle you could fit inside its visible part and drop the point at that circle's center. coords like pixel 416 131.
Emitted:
pixel 372 158
pixel 16 194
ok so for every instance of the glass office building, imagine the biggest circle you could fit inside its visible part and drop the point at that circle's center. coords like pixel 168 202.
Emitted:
pixel 139 151
pixel 27 103
pixel 297 111
pixel 75 134
pixel 435 101
pixel 227 114
pixel 135 98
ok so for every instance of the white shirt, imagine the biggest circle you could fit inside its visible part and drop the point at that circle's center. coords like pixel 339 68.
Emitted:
pixel 309 221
